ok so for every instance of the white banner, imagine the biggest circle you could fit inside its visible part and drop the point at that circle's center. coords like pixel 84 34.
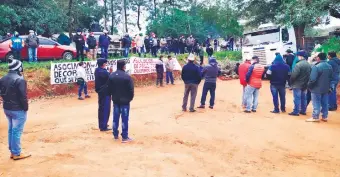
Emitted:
pixel 64 73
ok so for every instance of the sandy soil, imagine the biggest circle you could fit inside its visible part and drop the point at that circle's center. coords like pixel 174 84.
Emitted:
pixel 63 137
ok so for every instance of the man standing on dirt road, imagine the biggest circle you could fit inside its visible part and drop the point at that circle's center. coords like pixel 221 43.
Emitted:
pixel 335 63
pixel 121 89
pixel 299 82
pixel 210 73
pixel 191 75
pixel 13 90
pixel 104 103
pixel 254 80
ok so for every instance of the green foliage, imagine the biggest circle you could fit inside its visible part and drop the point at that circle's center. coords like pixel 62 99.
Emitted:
pixel 8 17
pixel 333 44
pixel 231 55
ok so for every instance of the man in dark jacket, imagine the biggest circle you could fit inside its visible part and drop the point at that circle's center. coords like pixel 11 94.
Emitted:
pixel 160 71
pixel 101 85
pixel 147 44
pixel 210 73
pixel 215 45
pixel 319 85
pixel 182 45
pixel 335 63
pixel 278 73
pixel 191 76
pixel 126 43
pixel 13 90
pixel 289 57
pixel 299 81
pixel 92 43
pixel 80 43
pixel 32 43
pixel 122 92
pixel 104 42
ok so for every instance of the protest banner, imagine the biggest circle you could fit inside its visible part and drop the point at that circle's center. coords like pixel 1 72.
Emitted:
pixel 64 73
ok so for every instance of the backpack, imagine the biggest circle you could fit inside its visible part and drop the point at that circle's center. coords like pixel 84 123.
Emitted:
pixel 16 43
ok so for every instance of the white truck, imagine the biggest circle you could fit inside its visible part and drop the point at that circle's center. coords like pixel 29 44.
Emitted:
pixel 267 40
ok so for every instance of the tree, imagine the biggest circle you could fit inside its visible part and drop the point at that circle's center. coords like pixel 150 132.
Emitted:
pixel 8 17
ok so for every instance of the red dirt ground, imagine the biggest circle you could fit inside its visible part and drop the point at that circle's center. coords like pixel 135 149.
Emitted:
pixel 62 135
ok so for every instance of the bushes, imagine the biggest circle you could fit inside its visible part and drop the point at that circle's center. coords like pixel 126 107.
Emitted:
pixel 231 55
pixel 333 44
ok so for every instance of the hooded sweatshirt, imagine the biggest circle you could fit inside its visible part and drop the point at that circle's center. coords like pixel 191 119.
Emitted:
pixel 211 71
pixel 335 63
pixel 278 72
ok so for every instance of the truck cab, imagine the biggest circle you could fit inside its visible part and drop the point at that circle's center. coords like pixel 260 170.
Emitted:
pixel 267 40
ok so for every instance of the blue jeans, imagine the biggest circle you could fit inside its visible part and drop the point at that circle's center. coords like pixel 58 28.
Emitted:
pixel 320 103
pixel 332 104
pixel 169 77
pixel 276 92
pixel 211 87
pixel 32 54
pixel 121 111
pixel 252 96
pixel 81 88
pixel 244 100
pixel 16 123
pixel 126 51
pixel 300 100
pixel 104 108
pixel 104 53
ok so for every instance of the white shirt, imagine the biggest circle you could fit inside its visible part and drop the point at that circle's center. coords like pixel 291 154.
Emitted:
pixel 81 73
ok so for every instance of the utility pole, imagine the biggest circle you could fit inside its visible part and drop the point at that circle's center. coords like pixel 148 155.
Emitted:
pixel 105 14
pixel 125 16
pixel 112 17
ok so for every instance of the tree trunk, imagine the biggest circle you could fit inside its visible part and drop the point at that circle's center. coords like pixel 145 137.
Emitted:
pixel 125 17
pixel 299 33
pixel 105 14
pixel 138 16
pixel 112 17
pixel 155 7
pixel 70 26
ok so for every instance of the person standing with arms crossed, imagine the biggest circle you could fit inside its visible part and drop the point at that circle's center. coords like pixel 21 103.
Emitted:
pixel 101 85
pixel 121 89
pixel 13 90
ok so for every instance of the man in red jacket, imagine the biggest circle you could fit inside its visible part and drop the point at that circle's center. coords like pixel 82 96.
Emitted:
pixel 254 80
pixel 242 72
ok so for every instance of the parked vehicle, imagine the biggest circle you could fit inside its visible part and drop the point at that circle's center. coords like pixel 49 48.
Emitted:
pixel 48 49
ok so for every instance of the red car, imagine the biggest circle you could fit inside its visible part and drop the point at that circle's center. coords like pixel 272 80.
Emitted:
pixel 48 49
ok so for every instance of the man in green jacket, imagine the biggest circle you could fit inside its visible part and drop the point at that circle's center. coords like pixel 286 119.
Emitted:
pixel 299 81
pixel 320 85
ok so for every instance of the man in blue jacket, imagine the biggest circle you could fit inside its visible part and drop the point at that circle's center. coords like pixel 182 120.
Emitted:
pixel 104 105
pixel 278 74
pixel 319 85
pixel 210 73
pixel 122 92
pixel 104 42
pixel 191 76
pixel 335 63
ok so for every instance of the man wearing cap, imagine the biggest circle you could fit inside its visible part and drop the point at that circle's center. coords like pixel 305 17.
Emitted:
pixel 92 43
pixel 122 92
pixel 32 43
pixel 242 71
pixel 254 81
pixel 210 73
pixel 191 75
pixel 13 90
pixel 78 39
pixel 320 86
pixel 16 44
pixel 299 82
pixel 101 85
pixel 104 42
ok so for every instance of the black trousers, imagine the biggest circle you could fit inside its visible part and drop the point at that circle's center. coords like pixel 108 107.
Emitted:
pixel 80 52
pixel 104 109
pixel 154 51
pixel 201 60
pixel 17 54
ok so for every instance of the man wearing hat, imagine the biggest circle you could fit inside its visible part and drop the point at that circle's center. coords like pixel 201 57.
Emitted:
pixel 121 89
pixel 104 42
pixel 242 72
pixel 78 39
pixel 13 90
pixel 254 81
pixel 32 43
pixel 299 82
pixel 191 75
pixel 210 73
pixel 101 85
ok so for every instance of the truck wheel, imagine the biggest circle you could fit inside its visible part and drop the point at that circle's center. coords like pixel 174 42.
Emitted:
pixel 67 56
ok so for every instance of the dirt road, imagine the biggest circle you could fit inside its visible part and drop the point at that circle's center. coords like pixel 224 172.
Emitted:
pixel 64 140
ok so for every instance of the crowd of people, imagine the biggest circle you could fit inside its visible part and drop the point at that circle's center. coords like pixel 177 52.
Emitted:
pixel 314 81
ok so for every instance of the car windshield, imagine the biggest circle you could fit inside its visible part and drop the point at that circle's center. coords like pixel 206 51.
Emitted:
pixel 262 37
